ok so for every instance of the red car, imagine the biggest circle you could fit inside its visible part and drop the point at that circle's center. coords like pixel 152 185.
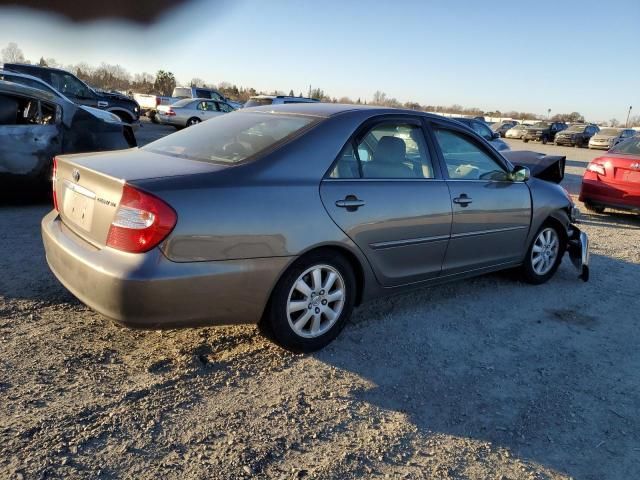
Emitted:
pixel 613 180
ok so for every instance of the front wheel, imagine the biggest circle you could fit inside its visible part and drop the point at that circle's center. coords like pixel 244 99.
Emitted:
pixel 312 302
pixel 544 255
pixel 544 140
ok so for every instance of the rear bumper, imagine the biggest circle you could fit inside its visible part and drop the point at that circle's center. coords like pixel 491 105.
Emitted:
pixel 150 291
pixel 604 194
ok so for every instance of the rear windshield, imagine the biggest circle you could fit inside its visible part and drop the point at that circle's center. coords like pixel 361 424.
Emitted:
pixel 230 138
pixel 576 128
pixel 256 102
pixel 181 92
pixel 183 102
pixel 541 125
pixel 609 131
pixel 630 147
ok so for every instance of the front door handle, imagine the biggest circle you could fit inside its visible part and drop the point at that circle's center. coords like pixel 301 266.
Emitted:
pixel 350 202
pixel 463 200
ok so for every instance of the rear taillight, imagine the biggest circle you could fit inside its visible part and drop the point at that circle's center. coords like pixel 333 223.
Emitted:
pixel 596 168
pixel 171 113
pixel 141 222
pixel 157 101
pixel 53 182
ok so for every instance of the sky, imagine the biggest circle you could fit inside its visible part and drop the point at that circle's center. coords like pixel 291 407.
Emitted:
pixel 495 55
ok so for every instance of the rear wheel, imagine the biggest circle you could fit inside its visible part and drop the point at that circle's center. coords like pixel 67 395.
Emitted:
pixel 544 255
pixel 193 121
pixel 312 302
pixel 544 140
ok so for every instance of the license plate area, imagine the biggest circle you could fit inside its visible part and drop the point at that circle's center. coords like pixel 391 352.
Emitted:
pixel 625 175
pixel 78 205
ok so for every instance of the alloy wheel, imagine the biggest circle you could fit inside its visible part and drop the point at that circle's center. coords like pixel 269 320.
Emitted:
pixel 315 301
pixel 545 251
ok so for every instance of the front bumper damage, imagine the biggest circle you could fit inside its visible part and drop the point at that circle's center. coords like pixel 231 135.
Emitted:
pixel 578 248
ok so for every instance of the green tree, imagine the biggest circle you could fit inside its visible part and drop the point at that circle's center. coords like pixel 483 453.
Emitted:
pixel 165 83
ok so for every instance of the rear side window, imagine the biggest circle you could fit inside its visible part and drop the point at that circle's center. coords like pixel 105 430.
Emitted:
pixel 230 138
pixel 465 160
pixel 387 151
pixel 181 92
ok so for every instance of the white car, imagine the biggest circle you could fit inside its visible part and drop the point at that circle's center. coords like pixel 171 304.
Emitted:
pixel 191 111
pixel 609 137
pixel 517 131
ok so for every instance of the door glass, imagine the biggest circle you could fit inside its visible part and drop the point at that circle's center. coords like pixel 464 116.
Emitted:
pixel 394 150
pixel 69 85
pixel 482 130
pixel 202 106
pixel 225 108
pixel 465 160
pixel 347 164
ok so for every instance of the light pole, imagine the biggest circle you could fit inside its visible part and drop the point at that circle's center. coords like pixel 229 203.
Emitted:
pixel 628 115
pixel 548 113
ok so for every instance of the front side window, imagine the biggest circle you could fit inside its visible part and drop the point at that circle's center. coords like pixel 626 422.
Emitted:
pixel 482 130
pixel 392 150
pixel 69 85
pixel 225 108
pixel 465 160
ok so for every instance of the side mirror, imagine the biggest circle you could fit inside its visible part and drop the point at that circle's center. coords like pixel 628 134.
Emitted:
pixel 495 135
pixel 520 174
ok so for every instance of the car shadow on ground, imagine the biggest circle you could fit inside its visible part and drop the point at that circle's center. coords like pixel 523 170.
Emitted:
pixel 543 371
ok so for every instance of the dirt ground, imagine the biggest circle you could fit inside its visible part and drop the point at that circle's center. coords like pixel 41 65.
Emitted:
pixel 483 379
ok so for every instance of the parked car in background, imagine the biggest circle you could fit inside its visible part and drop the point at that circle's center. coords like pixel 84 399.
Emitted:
pixel 203 92
pixel 150 104
pixel 36 125
pixel 543 131
pixel 502 127
pixel 482 129
pixel 189 111
pixel 260 100
pixel 516 131
pixel 613 180
pixel 79 92
pixel 607 138
pixel 222 223
pixel 576 135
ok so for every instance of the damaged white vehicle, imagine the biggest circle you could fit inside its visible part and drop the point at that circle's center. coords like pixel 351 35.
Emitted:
pixel 36 125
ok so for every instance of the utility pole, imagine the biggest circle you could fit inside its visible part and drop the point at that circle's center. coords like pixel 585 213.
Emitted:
pixel 628 115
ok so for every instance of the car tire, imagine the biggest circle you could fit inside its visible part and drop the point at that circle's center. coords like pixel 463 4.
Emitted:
pixel 193 121
pixel 544 255
pixel 593 208
pixel 525 140
pixel 578 144
pixel 124 117
pixel 544 140
pixel 293 314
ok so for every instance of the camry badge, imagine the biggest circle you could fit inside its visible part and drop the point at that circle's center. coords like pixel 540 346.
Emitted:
pixel 635 166
pixel 76 175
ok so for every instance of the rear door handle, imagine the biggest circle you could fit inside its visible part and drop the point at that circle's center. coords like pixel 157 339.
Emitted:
pixel 463 200
pixel 351 203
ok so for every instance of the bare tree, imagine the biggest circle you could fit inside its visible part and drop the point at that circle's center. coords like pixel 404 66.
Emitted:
pixel 379 98
pixel 198 82
pixel 12 54
pixel 614 122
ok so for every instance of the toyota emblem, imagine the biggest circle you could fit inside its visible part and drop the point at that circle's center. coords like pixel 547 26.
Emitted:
pixel 635 165
pixel 76 175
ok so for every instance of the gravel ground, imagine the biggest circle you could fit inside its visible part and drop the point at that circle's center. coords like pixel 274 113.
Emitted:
pixel 483 379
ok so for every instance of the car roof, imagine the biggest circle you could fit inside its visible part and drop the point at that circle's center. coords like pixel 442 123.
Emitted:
pixel 23 90
pixel 24 75
pixel 320 109
pixel 285 96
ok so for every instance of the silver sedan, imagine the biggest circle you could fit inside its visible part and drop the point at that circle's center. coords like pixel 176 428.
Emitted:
pixel 191 111
pixel 291 215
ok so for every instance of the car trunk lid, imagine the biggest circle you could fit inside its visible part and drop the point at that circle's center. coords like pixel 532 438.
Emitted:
pixel 89 187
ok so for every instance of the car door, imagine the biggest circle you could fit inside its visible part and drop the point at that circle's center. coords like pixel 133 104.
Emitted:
pixel 491 213
pixel 388 196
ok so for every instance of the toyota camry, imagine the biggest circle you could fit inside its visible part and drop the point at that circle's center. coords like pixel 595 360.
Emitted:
pixel 289 216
